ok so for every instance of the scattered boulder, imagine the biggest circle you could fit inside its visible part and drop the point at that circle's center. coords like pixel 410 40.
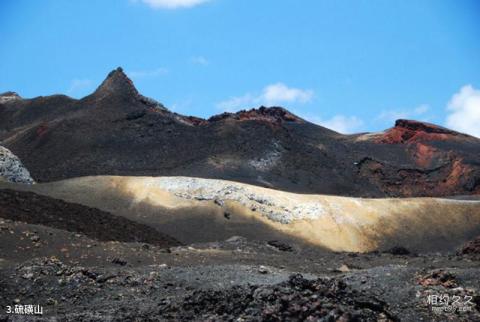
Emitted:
pixel 343 269
pixel 35 238
pixel 262 269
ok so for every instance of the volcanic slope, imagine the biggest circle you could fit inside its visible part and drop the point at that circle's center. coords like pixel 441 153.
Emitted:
pixel 193 210
pixel 117 131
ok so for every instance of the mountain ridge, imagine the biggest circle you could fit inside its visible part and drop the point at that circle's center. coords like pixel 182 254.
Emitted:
pixel 117 131
pixel 117 83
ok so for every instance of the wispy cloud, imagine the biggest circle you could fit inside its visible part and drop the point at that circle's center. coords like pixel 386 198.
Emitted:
pixel 235 103
pixel 148 73
pixel 279 93
pixel 391 116
pixel 339 123
pixel 464 111
pixel 182 106
pixel 80 87
pixel 172 4
pixel 271 95
pixel 199 60
pixel 343 124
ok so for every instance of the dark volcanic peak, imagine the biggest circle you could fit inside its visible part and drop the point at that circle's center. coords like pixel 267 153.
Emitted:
pixel 117 83
pixel 269 114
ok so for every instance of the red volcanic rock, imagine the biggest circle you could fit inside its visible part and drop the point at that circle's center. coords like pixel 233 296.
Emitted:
pixel 407 131
pixel 268 114
pixel 424 154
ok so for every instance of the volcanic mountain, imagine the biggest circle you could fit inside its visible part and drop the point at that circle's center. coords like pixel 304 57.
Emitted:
pixel 117 131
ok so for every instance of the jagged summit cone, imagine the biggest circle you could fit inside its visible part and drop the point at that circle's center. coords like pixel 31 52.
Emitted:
pixel 117 83
pixel 118 90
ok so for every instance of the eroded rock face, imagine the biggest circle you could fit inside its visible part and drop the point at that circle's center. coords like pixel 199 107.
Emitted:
pixel 12 169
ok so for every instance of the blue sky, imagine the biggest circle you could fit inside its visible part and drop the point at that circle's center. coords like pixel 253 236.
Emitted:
pixel 351 65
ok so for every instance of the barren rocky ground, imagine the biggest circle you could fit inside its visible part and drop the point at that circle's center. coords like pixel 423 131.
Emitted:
pixel 117 273
pixel 231 280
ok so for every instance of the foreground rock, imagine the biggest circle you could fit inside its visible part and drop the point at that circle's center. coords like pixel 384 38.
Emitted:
pixel 189 291
pixel 297 299
pixel 75 277
pixel 12 169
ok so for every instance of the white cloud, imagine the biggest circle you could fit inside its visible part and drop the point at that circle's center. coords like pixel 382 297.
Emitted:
pixel 80 87
pixel 147 73
pixel 464 111
pixel 279 92
pixel 391 116
pixel 271 95
pixel 199 60
pixel 181 107
pixel 343 124
pixel 339 123
pixel 235 103
pixel 421 109
pixel 173 4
